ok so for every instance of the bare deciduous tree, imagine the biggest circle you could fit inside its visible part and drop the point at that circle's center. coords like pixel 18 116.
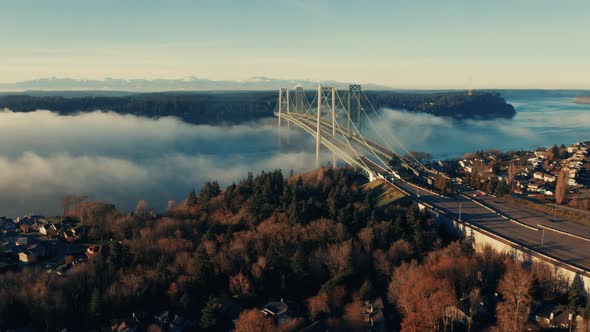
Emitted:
pixel 515 288
pixel 240 285
pixel 561 186
pixel 337 257
pixel 318 305
pixel 254 321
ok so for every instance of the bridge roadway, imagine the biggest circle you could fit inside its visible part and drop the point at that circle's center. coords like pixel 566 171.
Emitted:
pixel 505 220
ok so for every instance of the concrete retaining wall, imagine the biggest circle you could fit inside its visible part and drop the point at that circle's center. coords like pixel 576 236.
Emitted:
pixel 481 238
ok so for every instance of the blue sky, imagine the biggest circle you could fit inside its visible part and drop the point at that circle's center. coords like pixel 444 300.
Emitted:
pixel 399 43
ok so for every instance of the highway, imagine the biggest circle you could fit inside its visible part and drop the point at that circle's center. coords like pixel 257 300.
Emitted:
pixel 525 231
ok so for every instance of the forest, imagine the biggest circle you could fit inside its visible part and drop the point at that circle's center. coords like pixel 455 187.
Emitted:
pixel 322 242
pixel 243 106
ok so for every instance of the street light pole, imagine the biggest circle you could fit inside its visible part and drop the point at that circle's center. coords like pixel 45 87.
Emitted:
pixel 542 237
pixel 460 208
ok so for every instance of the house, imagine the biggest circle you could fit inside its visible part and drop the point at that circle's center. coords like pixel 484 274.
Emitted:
pixel 552 316
pixel 25 227
pixel 171 321
pixel 69 234
pixel 50 230
pixel 543 176
pixel 125 325
pixel 7 247
pixel 522 183
pixel 93 251
pixel 534 187
pixel 37 249
pixel 9 225
pixel 27 257
pixel 26 240
pixel 282 312
pixel 9 236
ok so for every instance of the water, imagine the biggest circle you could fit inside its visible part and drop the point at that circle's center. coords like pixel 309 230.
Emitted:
pixel 123 159
pixel 542 119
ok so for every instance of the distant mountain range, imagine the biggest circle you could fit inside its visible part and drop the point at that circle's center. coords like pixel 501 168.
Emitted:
pixel 146 85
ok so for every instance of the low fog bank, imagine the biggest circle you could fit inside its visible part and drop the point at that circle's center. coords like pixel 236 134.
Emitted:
pixel 123 158
pixel 447 138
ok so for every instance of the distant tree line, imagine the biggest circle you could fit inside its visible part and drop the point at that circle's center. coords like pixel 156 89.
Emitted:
pixel 243 106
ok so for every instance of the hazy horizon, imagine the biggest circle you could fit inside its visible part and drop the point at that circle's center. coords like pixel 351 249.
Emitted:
pixel 427 44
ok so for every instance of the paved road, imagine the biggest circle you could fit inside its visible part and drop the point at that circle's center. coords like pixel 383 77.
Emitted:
pixel 571 249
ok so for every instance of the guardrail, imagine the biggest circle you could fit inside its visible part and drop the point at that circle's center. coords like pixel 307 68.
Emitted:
pixel 517 245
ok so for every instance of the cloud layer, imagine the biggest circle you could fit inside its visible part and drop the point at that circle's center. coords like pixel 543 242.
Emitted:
pixel 125 158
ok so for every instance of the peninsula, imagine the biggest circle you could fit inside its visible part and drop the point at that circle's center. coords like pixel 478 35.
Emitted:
pixel 213 107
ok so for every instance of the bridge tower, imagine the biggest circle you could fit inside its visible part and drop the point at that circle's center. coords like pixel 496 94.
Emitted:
pixel 333 123
pixel 328 93
pixel 283 103
pixel 299 94
pixel 280 105
pixel 354 103
pixel 318 140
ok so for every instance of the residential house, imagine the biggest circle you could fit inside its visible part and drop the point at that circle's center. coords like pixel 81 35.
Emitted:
pixel 173 322
pixel 49 230
pixel 69 234
pixel 282 312
pixel 553 316
pixel 534 187
pixel 26 240
pixel 125 325
pixel 27 257
pixel 93 251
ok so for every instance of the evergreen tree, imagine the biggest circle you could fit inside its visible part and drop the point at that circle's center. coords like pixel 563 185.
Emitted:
pixel 120 255
pixel 95 306
pixel 367 292
pixel 586 314
pixel 292 212
pixel 209 314
pixel 192 198
pixel 576 293
pixel 501 188
pixel 203 268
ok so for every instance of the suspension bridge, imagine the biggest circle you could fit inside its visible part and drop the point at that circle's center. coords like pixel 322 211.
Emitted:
pixel 335 119
pixel 345 122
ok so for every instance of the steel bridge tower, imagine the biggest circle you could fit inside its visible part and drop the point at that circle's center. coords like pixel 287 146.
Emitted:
pixel 354 103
